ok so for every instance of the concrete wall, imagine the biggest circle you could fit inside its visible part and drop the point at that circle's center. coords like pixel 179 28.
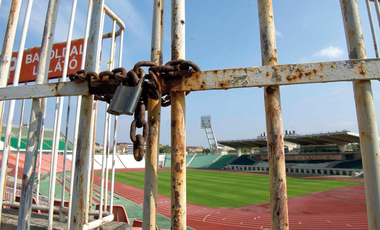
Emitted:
pixel 121 162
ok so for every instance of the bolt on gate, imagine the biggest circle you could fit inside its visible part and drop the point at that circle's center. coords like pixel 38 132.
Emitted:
pixel 173 79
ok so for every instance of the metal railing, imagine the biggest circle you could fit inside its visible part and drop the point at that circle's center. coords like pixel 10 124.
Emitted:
pixel 271 76
pixel 92 44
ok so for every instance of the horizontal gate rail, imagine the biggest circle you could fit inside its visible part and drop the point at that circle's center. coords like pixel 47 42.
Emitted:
pixel 303 73
pixel 291 74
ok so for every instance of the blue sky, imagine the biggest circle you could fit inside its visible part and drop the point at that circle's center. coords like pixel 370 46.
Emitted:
pixel 225 34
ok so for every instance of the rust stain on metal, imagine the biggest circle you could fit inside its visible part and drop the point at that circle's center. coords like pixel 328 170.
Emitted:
pixel 362 69
pixel 270 90
pixel 178 167
pixel 301 73
pixel 25 180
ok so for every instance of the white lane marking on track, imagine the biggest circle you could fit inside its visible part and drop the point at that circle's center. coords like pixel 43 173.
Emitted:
pixel 206 217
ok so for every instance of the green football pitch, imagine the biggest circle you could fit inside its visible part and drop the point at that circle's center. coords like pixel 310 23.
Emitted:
pixel 230 190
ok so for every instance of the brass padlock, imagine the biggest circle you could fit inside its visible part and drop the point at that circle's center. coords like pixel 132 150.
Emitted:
pixel 126 98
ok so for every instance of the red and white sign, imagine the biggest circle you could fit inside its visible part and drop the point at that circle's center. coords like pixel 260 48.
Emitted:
pixel 31 58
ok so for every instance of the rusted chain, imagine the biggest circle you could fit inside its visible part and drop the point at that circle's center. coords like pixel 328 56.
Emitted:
pixel 120 74
pixel 139 140
pixel 104 85
pixel 174 69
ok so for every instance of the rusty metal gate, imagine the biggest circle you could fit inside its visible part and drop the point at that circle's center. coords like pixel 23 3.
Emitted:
pixel 174 80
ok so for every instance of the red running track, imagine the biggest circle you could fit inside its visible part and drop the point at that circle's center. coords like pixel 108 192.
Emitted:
pixel 342 208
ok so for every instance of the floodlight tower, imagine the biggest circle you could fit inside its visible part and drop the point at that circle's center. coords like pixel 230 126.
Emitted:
pixel 206 124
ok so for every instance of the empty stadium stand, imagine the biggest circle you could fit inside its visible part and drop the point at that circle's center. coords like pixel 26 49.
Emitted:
pixel 202 161
pixel 243 160
pixel 354 164
pixel 48 137
pixel 222 162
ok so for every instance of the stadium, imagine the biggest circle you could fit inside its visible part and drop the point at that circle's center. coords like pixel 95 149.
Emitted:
pixel 97 135
pixel 320 177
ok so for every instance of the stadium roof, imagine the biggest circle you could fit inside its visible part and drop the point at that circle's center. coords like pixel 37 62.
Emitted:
pixel 338 138
pixel 247 143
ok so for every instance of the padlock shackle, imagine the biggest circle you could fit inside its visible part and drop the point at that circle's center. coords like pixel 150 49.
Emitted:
pixel 142 78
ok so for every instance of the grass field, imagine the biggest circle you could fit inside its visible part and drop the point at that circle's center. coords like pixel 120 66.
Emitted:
pixel 230 190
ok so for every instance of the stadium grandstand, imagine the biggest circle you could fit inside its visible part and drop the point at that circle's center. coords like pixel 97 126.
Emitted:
pixel 332 153
pixel 47 139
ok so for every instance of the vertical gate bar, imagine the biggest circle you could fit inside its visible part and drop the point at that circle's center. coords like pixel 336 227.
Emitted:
pixel 57 99
pixel 18 148
pixel 106 120
pixel 53 161
pixel 275 138
pixel 29 173
pixel 111 67
pixel 113 163
pixel 2 110
pixel 82 166
pixel 115 128
pixel 83 155
pixel 57 129
pixel 90 187
pixel 15 83
pixel 41 148
pixel 91 166
pixel 154 120
pixel 77 113
pixel 178 126
pixel 107 156
pixel 377 7
pixel 93 152
pixel 5 61
pixel 54 126
pixel 9 38
pixel 369 139
pixel 62 215
pixel 373 31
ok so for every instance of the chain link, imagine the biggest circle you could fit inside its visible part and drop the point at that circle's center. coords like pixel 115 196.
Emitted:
pixel 104 85
pixel 139 140
pixel 174 69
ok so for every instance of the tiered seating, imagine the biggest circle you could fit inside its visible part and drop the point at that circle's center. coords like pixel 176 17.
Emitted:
pixel 168 161
pixel 353 164
pixel 310 165
pixel 45 163
pixel 48 137
pixel 243 160
pixel 202 161
pixel 263 163
pixel 188 158
pixel 221 162
pixel 14 142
